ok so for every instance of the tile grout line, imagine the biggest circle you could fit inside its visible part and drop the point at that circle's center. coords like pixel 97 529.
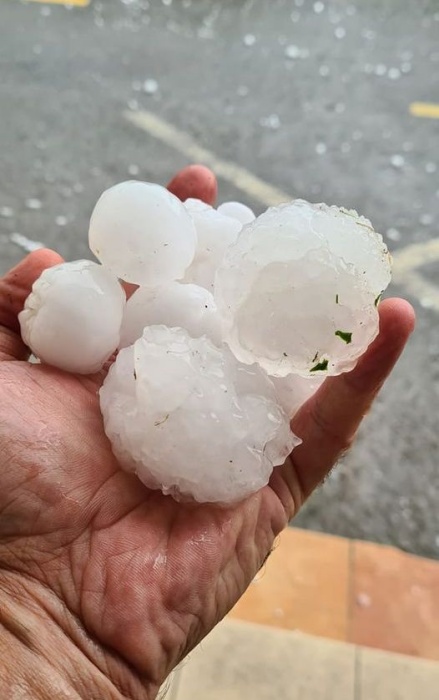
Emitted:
pixel 350 608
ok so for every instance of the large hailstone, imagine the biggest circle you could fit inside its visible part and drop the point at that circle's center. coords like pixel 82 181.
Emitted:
pixel 72 317
pixel 186 417
pixel 293 391
pixel 299 288
pixel 215 233
pixel 143 233
pixel 176 305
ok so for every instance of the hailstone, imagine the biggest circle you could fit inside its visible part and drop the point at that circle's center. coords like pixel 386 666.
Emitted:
pixel 183 305
pixel 72 317
pixel 215 233
pixel 236 210
pixel 293 391
pixel 142 233
pixel 186 417
pixel 299 288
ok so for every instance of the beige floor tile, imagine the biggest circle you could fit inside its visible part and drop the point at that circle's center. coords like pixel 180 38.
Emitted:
pixel 385 676
pixel 304 585
pixel 243 661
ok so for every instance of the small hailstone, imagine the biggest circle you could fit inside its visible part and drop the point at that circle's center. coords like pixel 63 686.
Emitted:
pixel 393 234
pixel 298 289
pixel 176 305
pixel 143 233
pixel 394 73
pixel 293 51
pixel 397 161
pixel 6 212
pixel 215 233
pixel 430 168
pixel 61 220
pixel 238 211
pixel 189 419
pixel 339 32
pixel 33 203
pixel 321 148
pixel 380 69
pixel 72 317
pixel 249 40
pixel 150 86
pixel 318 7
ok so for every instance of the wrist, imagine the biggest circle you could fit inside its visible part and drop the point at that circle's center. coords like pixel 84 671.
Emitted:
pixel 45 653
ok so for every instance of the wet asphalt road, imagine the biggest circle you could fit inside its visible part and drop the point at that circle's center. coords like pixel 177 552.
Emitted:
pixel 312 97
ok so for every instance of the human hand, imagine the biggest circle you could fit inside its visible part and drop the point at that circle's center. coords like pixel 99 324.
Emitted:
pixel 104 585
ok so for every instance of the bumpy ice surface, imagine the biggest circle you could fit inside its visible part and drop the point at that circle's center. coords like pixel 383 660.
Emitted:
pixel 72 317
pixel 236 210
pixel 143 233
pixel 175 305
pixel 215 233
pixel 298 289
pixel 189 419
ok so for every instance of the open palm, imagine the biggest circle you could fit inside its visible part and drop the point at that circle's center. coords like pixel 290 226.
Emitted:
pixel 132 578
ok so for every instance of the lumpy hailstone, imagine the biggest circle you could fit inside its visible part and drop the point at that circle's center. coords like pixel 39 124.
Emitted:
pixel 176 305
pixel 215 233
pixel 298 290
pixel 143 233
pixel 186 417
pixel 72 317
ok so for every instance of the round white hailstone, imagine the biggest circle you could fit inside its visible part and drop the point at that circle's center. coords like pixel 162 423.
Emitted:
pixel 236 210
pixel 142 233
pixel 189 419
pixel 215 233
pixel 293 391
pixel 176 305
pixel 194 205
pixel 298 290
pixel 72 317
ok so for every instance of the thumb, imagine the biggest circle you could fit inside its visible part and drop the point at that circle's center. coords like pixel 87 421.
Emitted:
pixel 15 287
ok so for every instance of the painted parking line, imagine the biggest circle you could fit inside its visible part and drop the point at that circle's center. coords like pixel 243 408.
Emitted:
pixel 75 3
pixel 245 181
pixel 425 109
pixel 407 266
pixel 407 262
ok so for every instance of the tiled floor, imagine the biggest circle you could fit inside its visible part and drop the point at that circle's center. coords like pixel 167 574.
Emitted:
pixel 356 592
pixel 241 660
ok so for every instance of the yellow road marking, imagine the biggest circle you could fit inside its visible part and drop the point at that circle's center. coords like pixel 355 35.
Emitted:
pixel 185 144
pixel 424 109
pixel 76 3
pixel 407 261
